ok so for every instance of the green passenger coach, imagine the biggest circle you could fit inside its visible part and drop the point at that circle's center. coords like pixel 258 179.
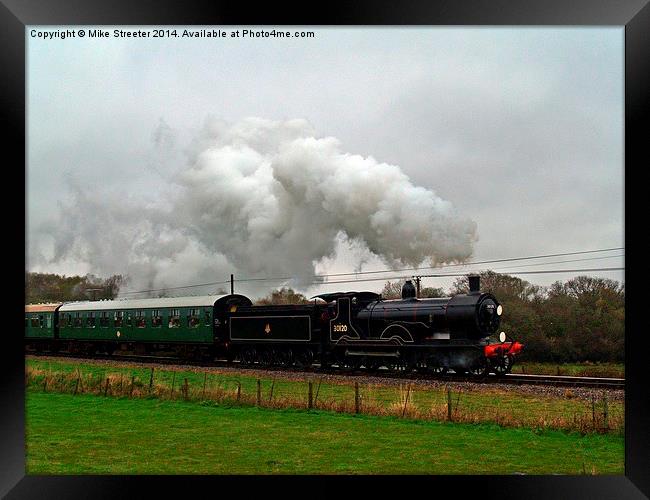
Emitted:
pixel 147 324
pixel 40 321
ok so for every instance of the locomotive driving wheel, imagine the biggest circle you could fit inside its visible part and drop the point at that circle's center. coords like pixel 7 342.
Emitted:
pixel 398 365
pixel 480 368
pixel 372 365
pixel 349 363
pixel 502 365
pixel 439 370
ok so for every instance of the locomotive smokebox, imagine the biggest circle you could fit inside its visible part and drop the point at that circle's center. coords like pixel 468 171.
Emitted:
pixel 408 290
pixel 474 283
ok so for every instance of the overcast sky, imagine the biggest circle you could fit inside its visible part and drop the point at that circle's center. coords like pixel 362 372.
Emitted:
pixel 520 129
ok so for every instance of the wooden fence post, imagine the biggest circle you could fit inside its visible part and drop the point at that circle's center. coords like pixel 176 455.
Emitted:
pixel 45 384
pixel 173 382
pixel 76 386
pixel 259 392
pixel 79 381
pixel 593 412
pixel 448 404
pixel 205 379
pixel 151 380
pixel 238 391
pixel 106 387
pixel 406 400
pixel 605 413
pixel 357 400
pixel 310 391
pixel 457 402
pixel 131 388
pixel 271 392
pixel 186 390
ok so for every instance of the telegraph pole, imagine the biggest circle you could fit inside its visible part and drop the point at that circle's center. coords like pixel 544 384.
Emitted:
pixel 232 284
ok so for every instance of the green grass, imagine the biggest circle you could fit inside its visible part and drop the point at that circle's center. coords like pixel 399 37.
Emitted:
pixel 607 370
pixel 488 404
pixel 87 434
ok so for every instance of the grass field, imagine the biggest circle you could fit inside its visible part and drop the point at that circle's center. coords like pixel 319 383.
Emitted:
pixel 485 404
pixel 607 370
pixel 502 405
pixel 86 434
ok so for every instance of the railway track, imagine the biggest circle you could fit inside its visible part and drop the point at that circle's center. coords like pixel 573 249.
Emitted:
pixel 510 378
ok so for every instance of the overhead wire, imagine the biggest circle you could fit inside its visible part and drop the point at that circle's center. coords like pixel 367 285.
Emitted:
pixel 322 279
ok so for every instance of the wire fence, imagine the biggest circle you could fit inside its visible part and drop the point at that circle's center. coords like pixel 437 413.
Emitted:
pixel 405 401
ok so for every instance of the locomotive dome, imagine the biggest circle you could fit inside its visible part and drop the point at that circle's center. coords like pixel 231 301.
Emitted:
pixel 408 290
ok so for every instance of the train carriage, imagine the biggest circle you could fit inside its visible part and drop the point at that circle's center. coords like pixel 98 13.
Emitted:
pixel 146 324
pixel 40 327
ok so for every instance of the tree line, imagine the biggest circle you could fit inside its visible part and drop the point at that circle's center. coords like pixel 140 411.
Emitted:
pixel 44 287
pixel 582 319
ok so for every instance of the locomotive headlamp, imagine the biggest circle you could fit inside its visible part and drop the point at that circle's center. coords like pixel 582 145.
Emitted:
pixel 502 337
pixel 499 310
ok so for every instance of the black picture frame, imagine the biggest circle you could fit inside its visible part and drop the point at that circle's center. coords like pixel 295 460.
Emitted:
pixel 634 15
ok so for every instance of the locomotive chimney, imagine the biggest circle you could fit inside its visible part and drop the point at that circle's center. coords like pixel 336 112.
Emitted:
pixel 474 283
pixel 408 290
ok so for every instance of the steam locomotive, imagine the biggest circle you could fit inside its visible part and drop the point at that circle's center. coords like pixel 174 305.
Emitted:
pixel 350 330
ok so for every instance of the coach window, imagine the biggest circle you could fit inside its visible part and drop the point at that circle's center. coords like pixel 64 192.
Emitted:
pixel 77 320
pixel 207 317
pixel 35 321
pixel 90 320
pixel 175 318
pixel 119 317
pixel 193 318
pixel 41 320
pixel 156 318
pixel 103 319
pixel 139 319
pixel 129 319
pixel 49 320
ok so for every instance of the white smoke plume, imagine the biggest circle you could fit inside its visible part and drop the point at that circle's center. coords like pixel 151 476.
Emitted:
pixel 262 198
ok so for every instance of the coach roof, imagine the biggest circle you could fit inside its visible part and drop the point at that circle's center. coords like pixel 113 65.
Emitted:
pixel 160 303
pixel 41 307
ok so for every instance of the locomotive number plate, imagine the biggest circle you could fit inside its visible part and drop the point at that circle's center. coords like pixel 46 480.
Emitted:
pixel 340 328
